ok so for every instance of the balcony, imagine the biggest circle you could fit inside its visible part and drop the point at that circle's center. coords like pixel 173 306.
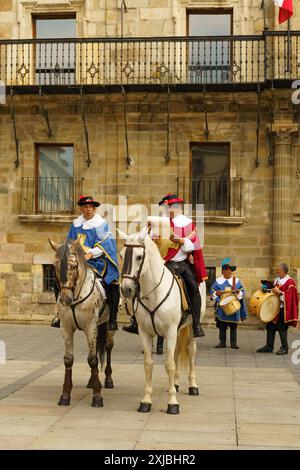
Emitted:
pixel 45 198
pixel 220 198
pixel 220 62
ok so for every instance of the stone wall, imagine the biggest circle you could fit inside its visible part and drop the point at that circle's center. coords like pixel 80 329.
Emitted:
pixel 268 230
pixel 102 18
pixel 231 118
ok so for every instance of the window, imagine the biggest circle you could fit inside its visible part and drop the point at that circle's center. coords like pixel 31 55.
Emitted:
pixel 209 60
pixel 55 186
pixel 210 177
pixel 55 61
pixel 50 283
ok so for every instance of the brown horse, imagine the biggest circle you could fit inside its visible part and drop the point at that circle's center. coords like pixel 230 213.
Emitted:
pixel 82 305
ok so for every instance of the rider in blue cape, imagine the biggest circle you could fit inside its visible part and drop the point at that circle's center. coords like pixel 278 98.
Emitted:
pixel 100 251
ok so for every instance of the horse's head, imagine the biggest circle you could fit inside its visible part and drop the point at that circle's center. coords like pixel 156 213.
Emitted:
pixel 69 262
pixel 135 263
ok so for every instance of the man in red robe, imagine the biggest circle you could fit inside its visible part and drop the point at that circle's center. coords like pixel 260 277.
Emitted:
pixel 284 286
pixel 184 256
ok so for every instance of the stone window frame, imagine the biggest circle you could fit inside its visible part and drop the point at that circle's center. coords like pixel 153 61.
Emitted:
pixel 37 146
pixel 29 8
pixel 228 220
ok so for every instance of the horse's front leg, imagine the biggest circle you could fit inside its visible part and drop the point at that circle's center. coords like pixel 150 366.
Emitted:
pixel 91 334
pixel 193 388
pixel 68 335
pixel 146 403
pixel 171 338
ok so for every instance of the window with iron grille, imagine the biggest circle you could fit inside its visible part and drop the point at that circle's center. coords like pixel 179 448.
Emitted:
pixel 55 62
pixel 54 189
pixel 50 283
pixel 209 60
pixel 210 176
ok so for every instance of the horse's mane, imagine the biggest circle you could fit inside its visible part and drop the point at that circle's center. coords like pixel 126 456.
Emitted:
pixel 153 250
pixel 64 252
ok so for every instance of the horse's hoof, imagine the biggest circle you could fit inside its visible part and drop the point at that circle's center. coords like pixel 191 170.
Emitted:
pixel 177 388
pixel 89 384
pixel 97 402
pixel 193 391
pixel 144 407
pixel 64 401
pixel 108 383
pixel 173 410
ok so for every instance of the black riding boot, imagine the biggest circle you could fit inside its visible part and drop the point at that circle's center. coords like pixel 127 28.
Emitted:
pixel 233 337
pixel 269 346
pixel 132 327
pixel 114 298
pixel 160 344
pixel 56 322
pixel 284 348
pixel 196 309
pixel 222 337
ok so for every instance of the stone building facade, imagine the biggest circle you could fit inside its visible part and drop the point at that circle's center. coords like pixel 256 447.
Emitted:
pixel 165 116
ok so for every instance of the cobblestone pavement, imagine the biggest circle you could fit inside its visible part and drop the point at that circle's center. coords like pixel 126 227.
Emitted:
pixel 247 400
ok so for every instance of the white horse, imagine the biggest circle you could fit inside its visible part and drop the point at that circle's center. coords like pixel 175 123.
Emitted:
pixel 156 300
pixel 82 305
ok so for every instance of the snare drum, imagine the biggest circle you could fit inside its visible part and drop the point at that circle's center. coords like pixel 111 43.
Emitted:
pixel 229 304
pixel 264 305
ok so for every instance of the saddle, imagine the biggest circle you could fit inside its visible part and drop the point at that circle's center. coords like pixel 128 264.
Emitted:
pixel 104 288
pixel 185 305
pixel 163 246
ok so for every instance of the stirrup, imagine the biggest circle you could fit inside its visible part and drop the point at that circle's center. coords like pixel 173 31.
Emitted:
pixel 56 322
pixel 131 329
pixel 112 325
pixel 197 331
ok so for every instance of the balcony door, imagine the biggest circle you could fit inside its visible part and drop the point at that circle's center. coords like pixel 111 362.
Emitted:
pixel 54 187
pixel 54 60
pixel 209 59
pixel 210 177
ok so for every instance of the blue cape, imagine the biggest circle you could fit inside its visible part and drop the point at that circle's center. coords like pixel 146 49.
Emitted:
pixel 237 316
pixel 107 264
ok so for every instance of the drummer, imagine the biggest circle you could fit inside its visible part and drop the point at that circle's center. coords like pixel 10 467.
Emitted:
pixel 223 320
pixel 284 286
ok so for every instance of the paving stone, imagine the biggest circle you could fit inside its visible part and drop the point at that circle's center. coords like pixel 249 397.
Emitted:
pixel 244 402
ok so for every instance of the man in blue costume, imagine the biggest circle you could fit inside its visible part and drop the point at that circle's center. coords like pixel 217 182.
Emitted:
pixel 223 320
pixel 100 252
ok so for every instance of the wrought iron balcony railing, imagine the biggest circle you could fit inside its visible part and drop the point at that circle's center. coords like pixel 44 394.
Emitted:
pixel 151 61
pixel 219 196
pixel 49 195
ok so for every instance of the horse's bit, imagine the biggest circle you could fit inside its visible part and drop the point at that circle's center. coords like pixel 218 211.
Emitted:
pixel 80 301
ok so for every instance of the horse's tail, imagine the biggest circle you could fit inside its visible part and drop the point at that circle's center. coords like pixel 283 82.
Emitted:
pixel 101 341
pixel 183 339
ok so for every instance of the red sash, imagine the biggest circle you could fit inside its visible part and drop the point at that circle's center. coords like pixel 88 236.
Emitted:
pixel 290 293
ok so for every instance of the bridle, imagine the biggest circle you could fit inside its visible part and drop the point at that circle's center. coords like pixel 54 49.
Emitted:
pixel 77 300
pixel 128 264
pixel 126 273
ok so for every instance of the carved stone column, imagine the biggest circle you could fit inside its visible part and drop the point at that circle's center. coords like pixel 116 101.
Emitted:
pixel 282 198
